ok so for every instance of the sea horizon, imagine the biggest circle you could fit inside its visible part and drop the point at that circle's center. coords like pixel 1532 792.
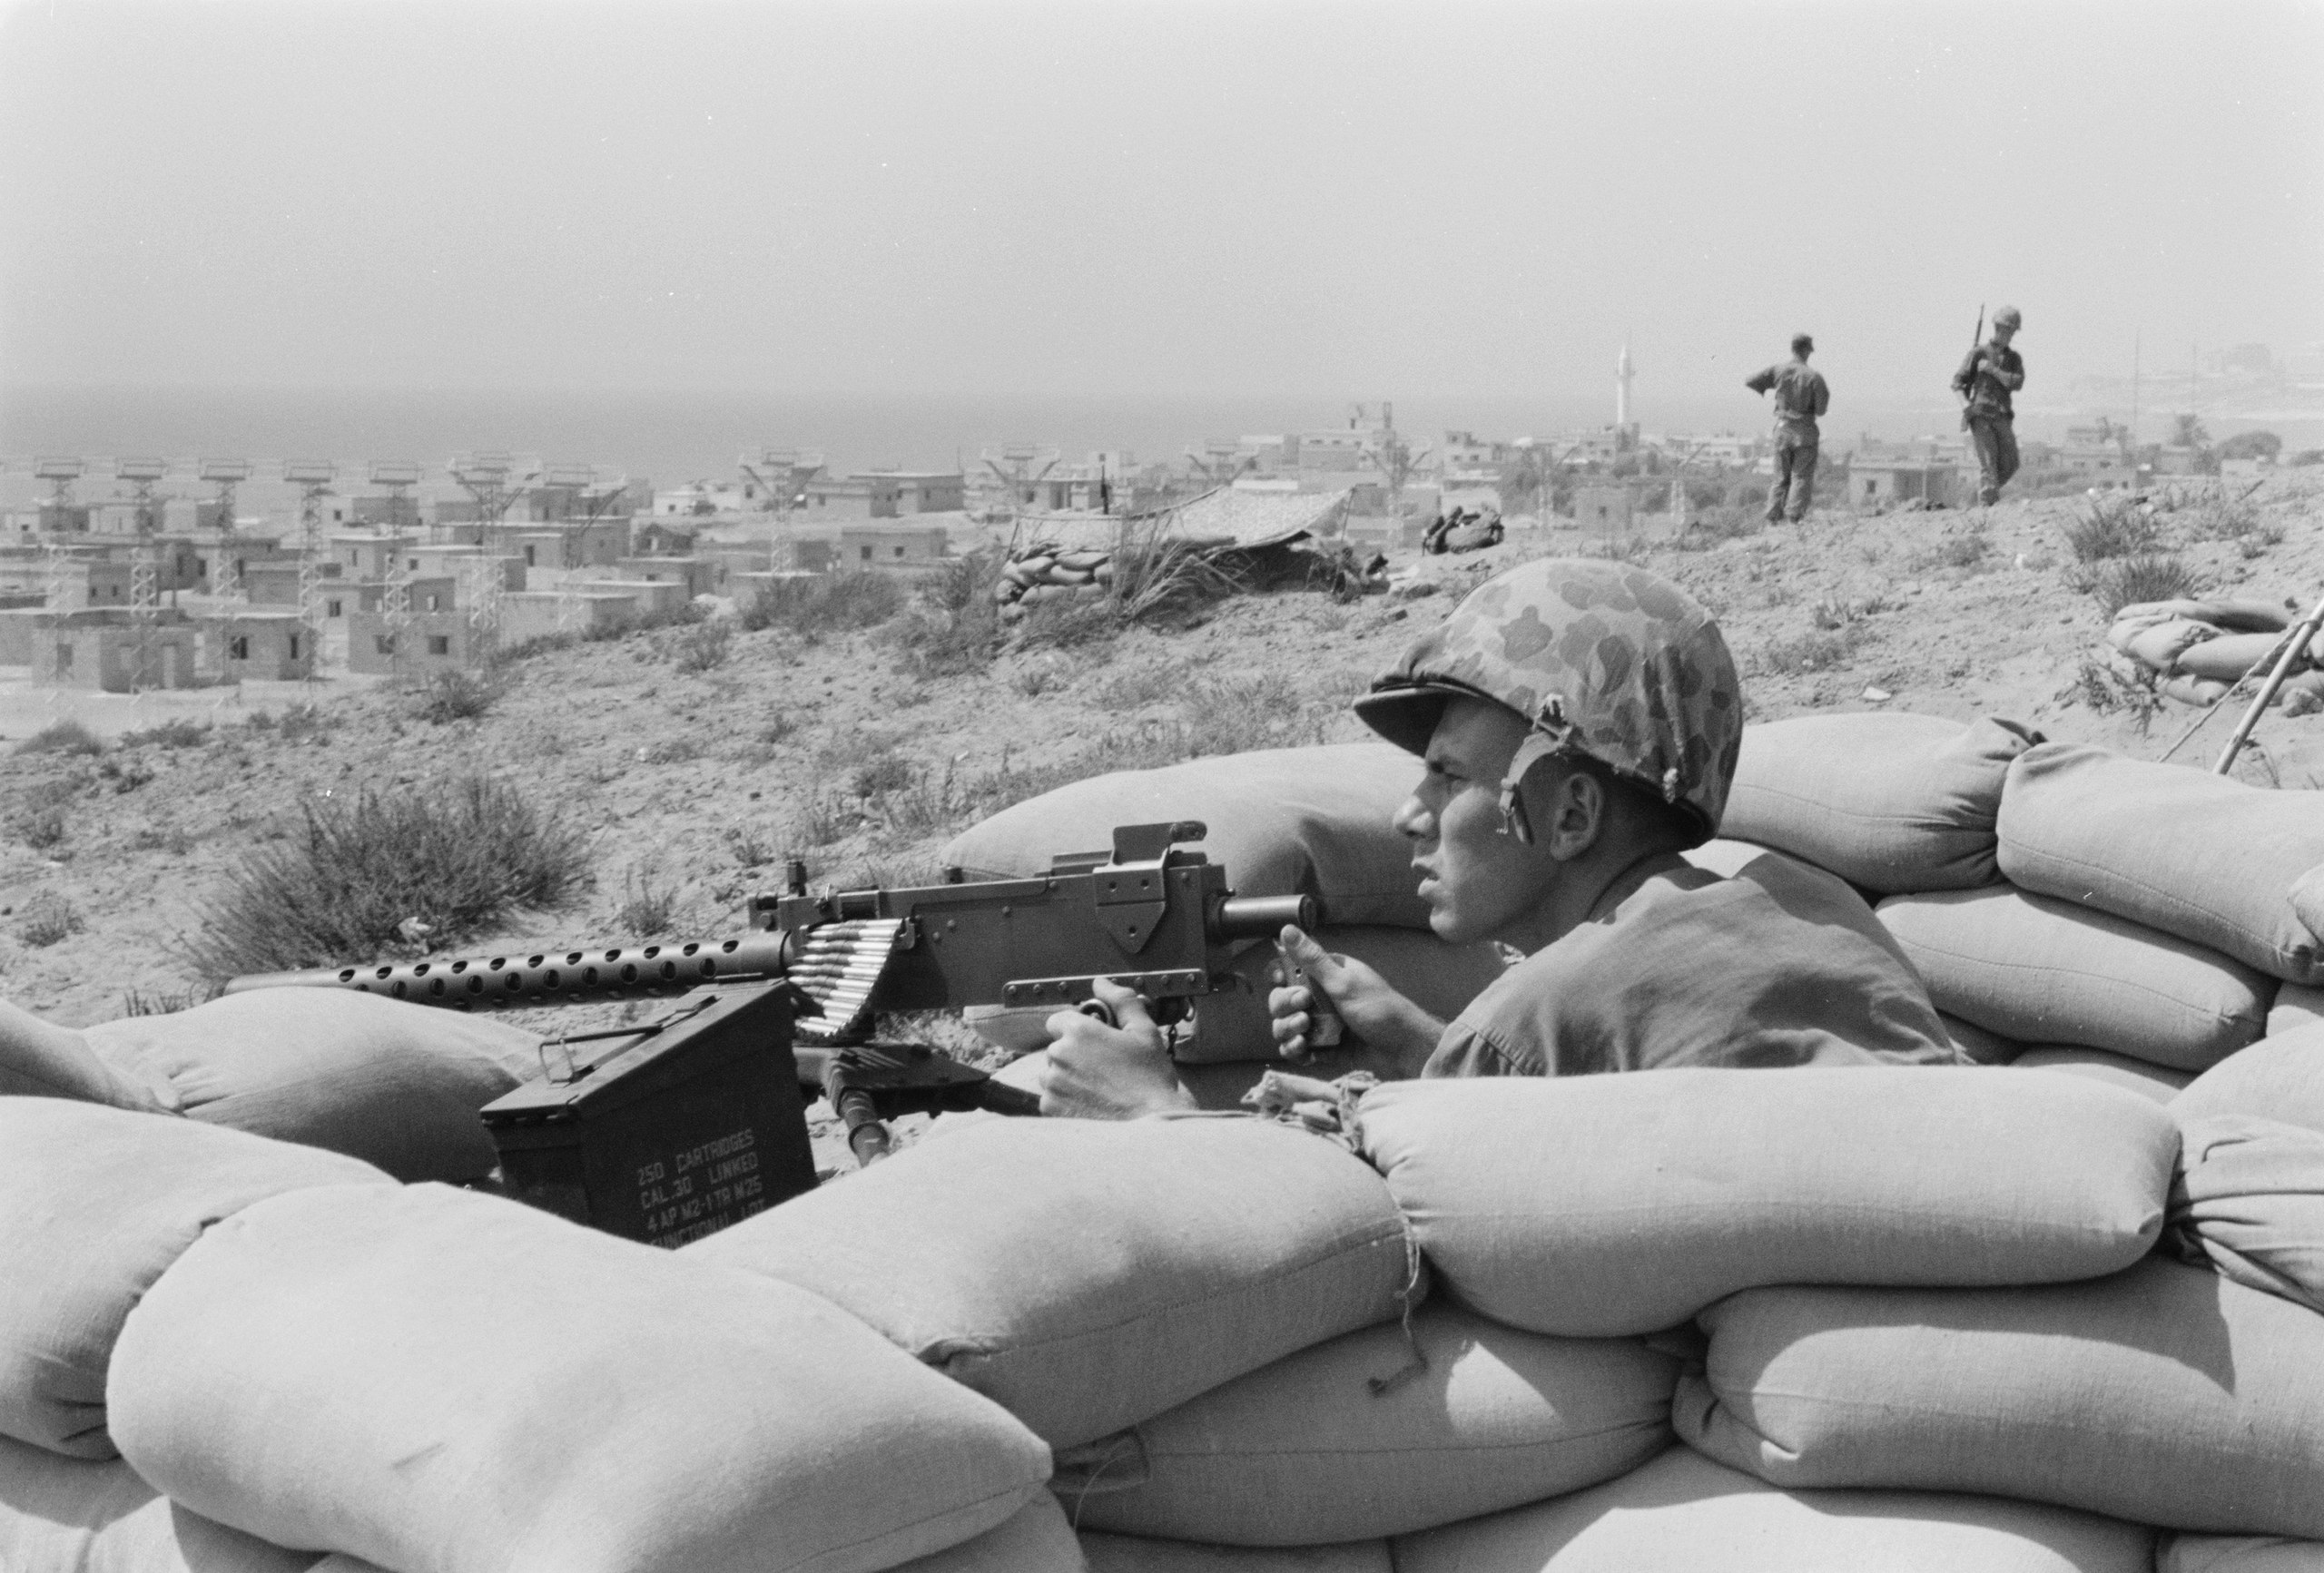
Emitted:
pixel 671 438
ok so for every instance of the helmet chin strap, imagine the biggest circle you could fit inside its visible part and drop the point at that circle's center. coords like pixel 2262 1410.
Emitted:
pixel 1551 735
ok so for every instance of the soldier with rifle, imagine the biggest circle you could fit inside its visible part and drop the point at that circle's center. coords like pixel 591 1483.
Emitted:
pixel 1988 376
pixel 1579 721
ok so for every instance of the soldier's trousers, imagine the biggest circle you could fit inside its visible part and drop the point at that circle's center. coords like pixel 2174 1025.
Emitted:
pixel 1795 475
pixel 1996 440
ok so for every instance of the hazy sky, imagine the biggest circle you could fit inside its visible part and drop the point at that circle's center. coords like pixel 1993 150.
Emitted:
pixel 1252 199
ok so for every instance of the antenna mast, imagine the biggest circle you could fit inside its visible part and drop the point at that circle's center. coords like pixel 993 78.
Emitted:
pixel 313 477
pixel 144 580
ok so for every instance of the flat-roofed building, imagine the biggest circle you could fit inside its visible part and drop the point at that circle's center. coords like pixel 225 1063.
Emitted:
pixel 877 546
pixel 428 642
pixel 272 646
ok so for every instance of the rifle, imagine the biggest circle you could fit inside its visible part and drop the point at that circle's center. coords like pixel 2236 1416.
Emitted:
pixel 1151 915
pixel 1976 339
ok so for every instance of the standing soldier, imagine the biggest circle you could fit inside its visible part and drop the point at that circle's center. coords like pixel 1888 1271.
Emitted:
pixel 1986 378
pixel 1800 397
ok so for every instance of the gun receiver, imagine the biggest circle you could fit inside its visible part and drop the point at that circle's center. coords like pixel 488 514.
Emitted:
pixel 1153 917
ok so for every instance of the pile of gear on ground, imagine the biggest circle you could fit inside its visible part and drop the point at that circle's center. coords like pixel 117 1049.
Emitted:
pixel 1253 538
pixel 2062 1309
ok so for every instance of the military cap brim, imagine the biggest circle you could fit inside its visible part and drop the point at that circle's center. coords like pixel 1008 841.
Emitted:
pixel 1407 715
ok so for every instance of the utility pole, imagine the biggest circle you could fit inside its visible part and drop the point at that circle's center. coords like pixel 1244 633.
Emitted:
pixel 313 479
pixel 2135 396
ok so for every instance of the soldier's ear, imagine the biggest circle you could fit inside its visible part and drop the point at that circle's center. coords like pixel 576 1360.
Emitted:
pixel 1577 809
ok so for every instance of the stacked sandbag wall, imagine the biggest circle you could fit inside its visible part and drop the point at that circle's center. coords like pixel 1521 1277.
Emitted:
pixel 2196 652
pixel 1046 570
pixel 1897 1317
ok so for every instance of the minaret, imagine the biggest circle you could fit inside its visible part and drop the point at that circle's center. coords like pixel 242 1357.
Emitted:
pixel 1622 389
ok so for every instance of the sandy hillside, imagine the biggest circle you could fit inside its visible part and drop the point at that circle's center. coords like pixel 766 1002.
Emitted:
pixel 692 786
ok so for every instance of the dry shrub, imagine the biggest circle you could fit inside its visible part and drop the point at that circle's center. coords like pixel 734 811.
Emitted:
pixel 646 910
pixel 2113 527
pixel 2155 577
pixel 1719 524
pixel 953 626
pixel 826 604
pixel 176 732
pixel 705 646
pixel 453 696
pixel 65 737
pixel 1818 650
pixel 49 920
pixel 456 857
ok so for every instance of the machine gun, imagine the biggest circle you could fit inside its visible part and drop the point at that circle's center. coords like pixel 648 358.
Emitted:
pixel 675 1095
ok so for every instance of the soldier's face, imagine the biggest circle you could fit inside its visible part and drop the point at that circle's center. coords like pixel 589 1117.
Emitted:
pixel 1478 883
pixel 2002 333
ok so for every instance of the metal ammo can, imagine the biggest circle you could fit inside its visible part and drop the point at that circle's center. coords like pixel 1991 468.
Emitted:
pixel 676 1130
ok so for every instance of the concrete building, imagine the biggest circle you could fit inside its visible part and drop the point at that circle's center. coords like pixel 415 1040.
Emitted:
pixel 531 614
pixel 463 563
pixel 871 544
pixel 648 597
pixel 886 495
pixel 1886 482
pixel 431 642
pixel 438 593
pixel 1608 509
pixel 660 538
pixel 106 656
pixel 273 646
pixel 275 582
pixel 698 574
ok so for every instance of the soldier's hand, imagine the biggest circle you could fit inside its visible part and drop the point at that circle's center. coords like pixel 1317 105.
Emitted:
pixel 1370 1006
pixel 1109 1073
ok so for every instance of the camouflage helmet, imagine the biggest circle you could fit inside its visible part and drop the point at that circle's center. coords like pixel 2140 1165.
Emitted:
pixel 2008 317
pixel 1602 659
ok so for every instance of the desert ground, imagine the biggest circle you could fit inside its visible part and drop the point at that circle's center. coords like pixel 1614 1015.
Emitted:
pixel 692 763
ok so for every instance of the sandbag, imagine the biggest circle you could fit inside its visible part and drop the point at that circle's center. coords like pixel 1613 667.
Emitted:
pixel 440 1381
pixel 2229 657
pixel 2238 616
pixel 1136 1553
pixel 2277 1079
pixel 1283 821
pixel 393 1084
pixel 1439 979
pixel 1980 1046
pixel 94 1205
pixel 2043 971
pixel 2307 901
pixel 2297 1005
pixel 1886 800
pixel 1035 1539
pixel 41 1059
pixel 2159 645
pixel 61 1515
pixel 2238 1554
pixel 2249 1202
pixel 2204 857
pixel 1683 1513
pixel 2151 1081
pixel 1090 1274
pixel 1592 1206
pixel 2165 1393
pixel 1377 1434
